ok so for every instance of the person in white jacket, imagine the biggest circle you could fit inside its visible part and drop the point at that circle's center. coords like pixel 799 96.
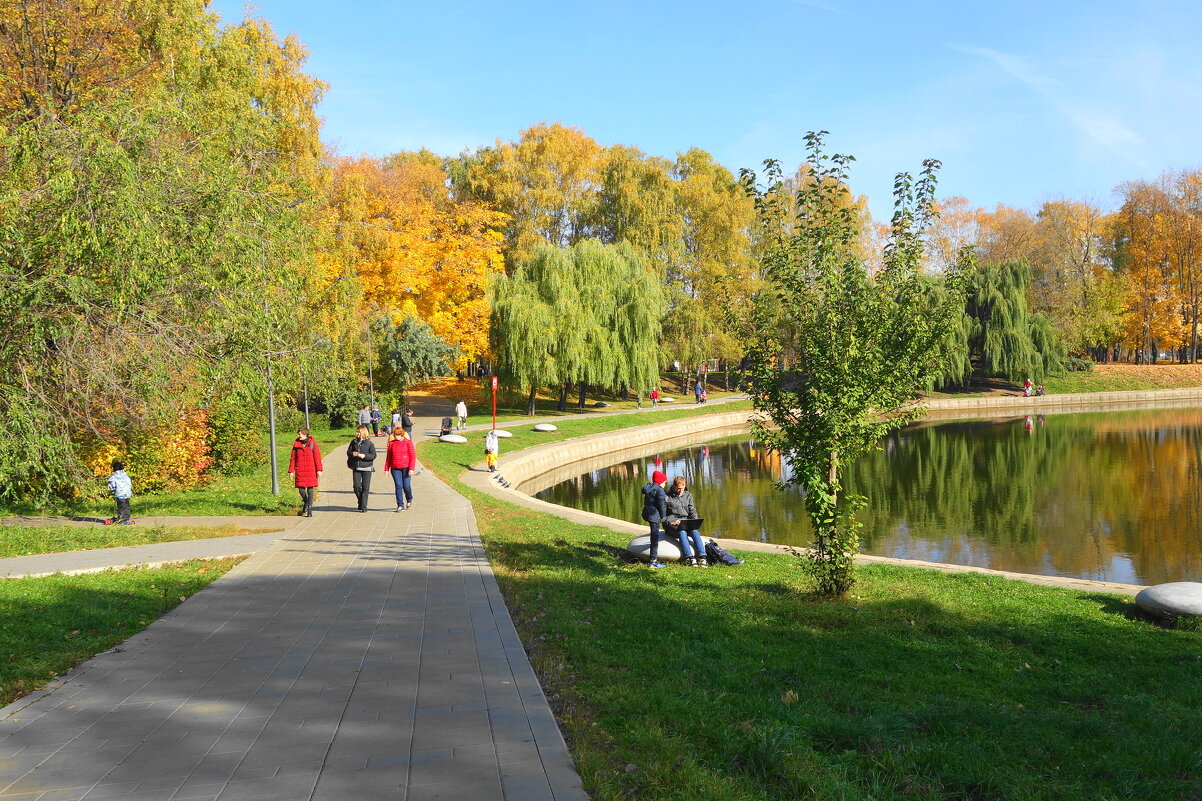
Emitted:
pixel 461 413
pixel 492 450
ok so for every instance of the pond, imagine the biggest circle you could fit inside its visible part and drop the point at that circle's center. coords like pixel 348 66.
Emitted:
pixel 1110 496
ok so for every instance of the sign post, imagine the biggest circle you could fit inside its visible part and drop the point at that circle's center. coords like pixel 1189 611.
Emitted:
pixel 494 403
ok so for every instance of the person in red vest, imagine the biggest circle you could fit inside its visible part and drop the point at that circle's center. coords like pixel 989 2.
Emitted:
pixel 655 397
pixel 304 467
pixel 399 462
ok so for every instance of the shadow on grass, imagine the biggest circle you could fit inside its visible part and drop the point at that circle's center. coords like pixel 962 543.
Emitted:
pixel 747 682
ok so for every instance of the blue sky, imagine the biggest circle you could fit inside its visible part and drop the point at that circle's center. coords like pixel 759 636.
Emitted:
pixel 1022 101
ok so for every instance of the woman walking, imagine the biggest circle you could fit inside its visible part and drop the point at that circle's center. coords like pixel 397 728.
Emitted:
pixel 399 462
pixel 359 457
pixel 304 467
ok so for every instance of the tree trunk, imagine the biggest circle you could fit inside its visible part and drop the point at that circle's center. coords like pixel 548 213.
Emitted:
pixel 563 397
pixel 530 401
pixel 583 387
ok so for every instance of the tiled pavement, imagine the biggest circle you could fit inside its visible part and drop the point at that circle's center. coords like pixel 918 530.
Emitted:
pixel 361 656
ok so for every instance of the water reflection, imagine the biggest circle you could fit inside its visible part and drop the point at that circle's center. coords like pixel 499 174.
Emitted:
pixel 1111 496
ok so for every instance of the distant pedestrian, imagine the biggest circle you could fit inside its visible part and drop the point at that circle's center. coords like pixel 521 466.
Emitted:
pixel 359 457
pixel 492 450
pixel 1027 388
pixel 122 487
pixel 655 509
pixel 396 416
pixel 407 422
pixel 705 396
pixel 304 468
pixel 655 397
pixel 375 420
pixel 461 413
pixel 399 462
pixel 364 415
pixel 697 390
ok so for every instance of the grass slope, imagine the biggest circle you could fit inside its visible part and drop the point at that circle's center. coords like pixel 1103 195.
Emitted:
pixel 49 625
pixel 25 540
pixel 735 683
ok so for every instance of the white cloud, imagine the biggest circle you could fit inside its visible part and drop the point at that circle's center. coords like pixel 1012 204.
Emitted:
pixel 1101 126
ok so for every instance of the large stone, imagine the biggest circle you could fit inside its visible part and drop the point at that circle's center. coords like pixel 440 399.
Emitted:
pixel 667 400
pixel 453 438
pixel 1172 599
pixel 640 546
pixel 502 433
pixel 545 427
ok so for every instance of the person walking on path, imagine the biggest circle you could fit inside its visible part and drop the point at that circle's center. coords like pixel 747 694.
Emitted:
pixel 375 420
pixel 697 388
pixel 655 509
pixel 680 507
pixel 122 487
pixel 304 468
pixel 359 457
pixel 364 415
pixel 399 462
pixel 407 422
pixel 492 450
pixel 655 396
pixel 461 413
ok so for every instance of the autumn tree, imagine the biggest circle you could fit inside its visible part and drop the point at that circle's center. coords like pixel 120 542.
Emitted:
pixel 152 245
pixel 416 250
pixel 546 183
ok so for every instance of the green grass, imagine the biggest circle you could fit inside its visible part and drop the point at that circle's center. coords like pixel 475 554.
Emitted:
pixel 25 540
pixel 48 625
pixel 1094 382
pixel 736 683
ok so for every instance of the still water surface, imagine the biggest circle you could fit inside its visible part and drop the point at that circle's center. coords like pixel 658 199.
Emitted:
pixel 1108 496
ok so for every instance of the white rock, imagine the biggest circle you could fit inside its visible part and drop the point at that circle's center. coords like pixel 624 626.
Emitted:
pixel 1169 600
pixel 545 427
pixel 667 400
pixel 640 546
pixel 455 438
pixel 502 433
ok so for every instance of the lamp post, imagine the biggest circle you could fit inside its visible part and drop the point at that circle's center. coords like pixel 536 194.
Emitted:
pixel 275 469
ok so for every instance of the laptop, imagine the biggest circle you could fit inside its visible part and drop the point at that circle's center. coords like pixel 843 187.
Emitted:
pixel 691 524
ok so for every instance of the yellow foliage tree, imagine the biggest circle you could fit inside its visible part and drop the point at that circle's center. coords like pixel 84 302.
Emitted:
pixel 415 250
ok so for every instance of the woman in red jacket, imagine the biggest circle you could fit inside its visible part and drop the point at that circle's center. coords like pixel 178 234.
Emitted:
pixel 399 462
pixel 304 467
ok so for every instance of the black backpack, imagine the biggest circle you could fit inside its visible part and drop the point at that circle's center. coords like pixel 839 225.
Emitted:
pixel 717 555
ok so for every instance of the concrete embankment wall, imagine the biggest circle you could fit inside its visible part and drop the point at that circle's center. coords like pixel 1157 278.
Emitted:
pixel 533 469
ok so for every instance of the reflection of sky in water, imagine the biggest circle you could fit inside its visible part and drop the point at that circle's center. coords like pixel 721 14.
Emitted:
pixel 1109 496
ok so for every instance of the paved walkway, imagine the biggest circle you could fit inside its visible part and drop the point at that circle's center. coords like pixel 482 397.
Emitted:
pixel 360 656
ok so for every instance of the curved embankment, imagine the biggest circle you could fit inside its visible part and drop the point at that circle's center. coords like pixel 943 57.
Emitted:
pixel 533 469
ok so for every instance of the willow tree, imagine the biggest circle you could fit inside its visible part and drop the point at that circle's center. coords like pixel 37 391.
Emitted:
pixel 861 340
pixel 585 314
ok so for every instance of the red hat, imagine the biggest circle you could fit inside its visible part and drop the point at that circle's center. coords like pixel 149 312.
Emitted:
pixel 658 477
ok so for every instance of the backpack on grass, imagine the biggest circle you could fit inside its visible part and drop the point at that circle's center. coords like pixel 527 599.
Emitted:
pixel 717 555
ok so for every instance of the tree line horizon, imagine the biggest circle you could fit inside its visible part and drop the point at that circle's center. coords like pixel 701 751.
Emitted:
pixel 175 229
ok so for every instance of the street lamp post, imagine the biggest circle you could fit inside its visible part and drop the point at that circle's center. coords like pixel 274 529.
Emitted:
pixel 275 469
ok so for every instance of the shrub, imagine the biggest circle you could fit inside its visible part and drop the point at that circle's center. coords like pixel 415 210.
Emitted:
pixel 1075 365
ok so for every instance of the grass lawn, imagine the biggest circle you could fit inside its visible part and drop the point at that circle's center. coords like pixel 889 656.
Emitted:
pixel 48 625
pixel 25 540
pixel 736 683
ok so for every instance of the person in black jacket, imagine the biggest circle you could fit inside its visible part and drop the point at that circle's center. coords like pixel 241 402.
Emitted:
pixel 359 457
pixel 407 422
pixel 655 510
pixel 680 507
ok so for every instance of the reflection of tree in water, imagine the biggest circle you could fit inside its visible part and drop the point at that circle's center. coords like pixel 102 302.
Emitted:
pixel 1111 495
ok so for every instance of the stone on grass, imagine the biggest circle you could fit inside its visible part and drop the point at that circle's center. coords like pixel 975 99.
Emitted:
pixel 667 400
pixel 502 433
pixel 545 427
pixel 600 405
pixel 1172 599
pixel 455 438
pixel 640 546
